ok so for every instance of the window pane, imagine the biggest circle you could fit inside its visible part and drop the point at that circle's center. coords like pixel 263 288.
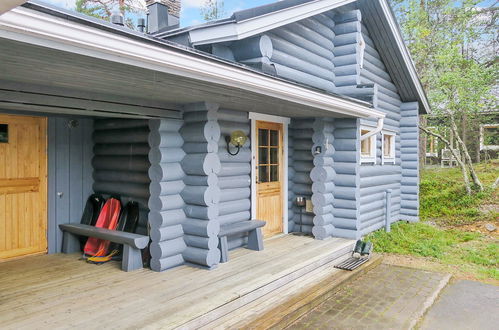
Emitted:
pixel 274 158
pixel 263 173
pixel 387 145
pixel 274 138
pixel 263 137
pixel 263 155
pixel 4 133
pixel 274 173
pixel 365 147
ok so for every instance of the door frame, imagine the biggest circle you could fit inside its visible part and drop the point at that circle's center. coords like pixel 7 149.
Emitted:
pixel 254 117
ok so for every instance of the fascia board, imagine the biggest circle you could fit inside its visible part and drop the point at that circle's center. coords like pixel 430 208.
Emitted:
pixel 36 28
pixel 252 26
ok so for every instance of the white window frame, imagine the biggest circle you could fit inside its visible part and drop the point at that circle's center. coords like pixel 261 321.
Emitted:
pixel 372 158
pixel 391 158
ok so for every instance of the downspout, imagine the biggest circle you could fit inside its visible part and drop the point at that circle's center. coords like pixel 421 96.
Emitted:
pixel 378 129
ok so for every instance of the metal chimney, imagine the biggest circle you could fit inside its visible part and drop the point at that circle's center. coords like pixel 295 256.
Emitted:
pixel 159 19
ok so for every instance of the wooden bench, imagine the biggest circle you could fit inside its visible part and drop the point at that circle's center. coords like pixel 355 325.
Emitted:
pixel 255 240
pixel 132 243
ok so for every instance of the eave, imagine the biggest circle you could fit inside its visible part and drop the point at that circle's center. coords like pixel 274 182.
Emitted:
pixel 32 27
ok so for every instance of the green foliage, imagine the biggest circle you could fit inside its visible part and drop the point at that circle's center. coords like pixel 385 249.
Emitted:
pixel 103 9
pixel 444 199
pixel 419 239
pixel 443 36
pixel 469 252
pixel 213 10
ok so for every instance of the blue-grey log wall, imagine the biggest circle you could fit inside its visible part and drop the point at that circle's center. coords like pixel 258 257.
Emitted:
pixel 201 194
pixel 234 179
pixel 69 172
pixel 300 133
pixel 346 183
pixel 376 179
pixel 121 162
pixel 166 205
pixel 409 133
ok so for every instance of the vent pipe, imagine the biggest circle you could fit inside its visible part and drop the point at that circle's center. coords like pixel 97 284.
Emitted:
pixel 117 18
pixel 141 24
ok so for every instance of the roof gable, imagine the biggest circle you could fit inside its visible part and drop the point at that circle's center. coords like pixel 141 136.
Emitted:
pixel 376 15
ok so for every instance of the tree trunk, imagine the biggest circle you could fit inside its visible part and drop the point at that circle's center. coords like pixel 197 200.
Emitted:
pixel 455 155
pixel 422 143
pixel 466 155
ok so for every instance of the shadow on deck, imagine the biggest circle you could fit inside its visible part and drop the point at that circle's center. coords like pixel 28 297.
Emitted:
pixel 61 291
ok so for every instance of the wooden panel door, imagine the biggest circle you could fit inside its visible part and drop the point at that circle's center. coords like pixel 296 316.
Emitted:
pixel 269 176
pixel 23 185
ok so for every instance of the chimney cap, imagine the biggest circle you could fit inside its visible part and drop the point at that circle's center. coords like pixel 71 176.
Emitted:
pixel 117 18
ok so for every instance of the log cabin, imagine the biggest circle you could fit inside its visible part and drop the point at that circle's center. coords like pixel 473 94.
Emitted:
pixel 324 92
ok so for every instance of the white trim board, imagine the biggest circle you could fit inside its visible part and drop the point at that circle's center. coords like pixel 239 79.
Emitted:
pixel 239 30
pixel 253 116
pixel 30 26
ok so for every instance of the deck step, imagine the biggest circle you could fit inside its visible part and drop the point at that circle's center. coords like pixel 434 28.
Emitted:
pixel 282 307
pixel 248 306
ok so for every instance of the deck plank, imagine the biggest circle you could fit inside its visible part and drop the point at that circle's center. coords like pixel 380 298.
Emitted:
pixel 60 291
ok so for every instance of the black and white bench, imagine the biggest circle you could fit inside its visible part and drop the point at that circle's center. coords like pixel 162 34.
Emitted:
pixel 132 243
pixel 255 240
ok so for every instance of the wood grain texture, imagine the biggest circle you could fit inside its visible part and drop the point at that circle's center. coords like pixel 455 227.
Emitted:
pixel 23 187
pixel 54 291
pixel 269 194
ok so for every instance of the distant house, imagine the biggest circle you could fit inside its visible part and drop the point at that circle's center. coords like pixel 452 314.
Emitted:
pixel 325 91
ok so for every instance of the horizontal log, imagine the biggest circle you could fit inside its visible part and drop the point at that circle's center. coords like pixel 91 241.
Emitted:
pixel 202 257
pixel 201 195
pixel 119 176
pixel 200 147
pixel 201 164
pixel 202 228
pixel 165 249
pixel 159 234
pixel 166 172
pixel 163 188
pixel 121 149
pixel 234 206
pixel 121 163
pixel 132 135
pixel 201 212
pixel 165 203
pixel 207 243
pixel 166 218
pixel 166 155
pixel 160 265
pixel 122 188
pixel 230 182
pixel 116 123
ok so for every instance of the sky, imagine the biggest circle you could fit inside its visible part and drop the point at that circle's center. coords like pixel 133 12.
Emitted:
pixel 191 14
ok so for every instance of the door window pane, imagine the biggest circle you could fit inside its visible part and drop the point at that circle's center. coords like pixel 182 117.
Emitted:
pixel 263 173
pixel 263 155
pixel 263 137
pixel 4 133
pixel 274 173
pixel 274 159
pixel 274 138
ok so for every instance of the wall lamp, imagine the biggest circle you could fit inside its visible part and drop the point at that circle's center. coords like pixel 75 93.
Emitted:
pixel 237 139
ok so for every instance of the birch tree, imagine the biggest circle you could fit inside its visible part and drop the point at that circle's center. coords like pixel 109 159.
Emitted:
pixel 443 37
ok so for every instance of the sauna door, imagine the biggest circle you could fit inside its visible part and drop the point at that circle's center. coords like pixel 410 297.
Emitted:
pixel 23 185
pixel 269 176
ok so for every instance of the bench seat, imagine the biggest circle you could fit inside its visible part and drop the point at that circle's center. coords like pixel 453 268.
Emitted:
pixel 255 239
pixel 132 243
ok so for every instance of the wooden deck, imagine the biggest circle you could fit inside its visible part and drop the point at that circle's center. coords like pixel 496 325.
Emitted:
pixel 60 291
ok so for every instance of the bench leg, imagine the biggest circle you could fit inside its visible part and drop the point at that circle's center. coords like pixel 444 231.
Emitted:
pixel 224 249
pixel 132 258
pixel 255 240
pixel 70 243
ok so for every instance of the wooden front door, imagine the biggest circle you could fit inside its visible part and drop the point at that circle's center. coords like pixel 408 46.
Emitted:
pixel 23 185
pixel 269 176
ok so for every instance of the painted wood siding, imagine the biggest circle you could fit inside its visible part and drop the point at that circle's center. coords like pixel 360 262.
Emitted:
pixel 69 172
pixel 166 205
pixel 409 133
pixel 346 183
pixel 323 177
pixel 121 163
pixel 300 132
pixel 376 179
pixel 303 51
pixel 234 179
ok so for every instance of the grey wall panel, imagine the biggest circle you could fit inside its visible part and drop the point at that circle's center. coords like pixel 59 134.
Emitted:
pixel 119 148
pixel 69 174
pixel 300 165
pixel 235 189
pixel 346 203
pixel 409 197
